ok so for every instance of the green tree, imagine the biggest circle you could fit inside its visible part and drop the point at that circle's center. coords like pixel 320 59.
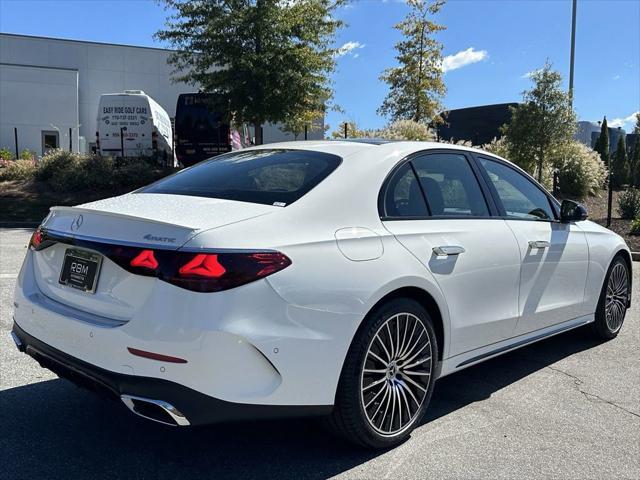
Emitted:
pixel 620 164
pixel 267 60
pixel 602 145
pixel 543 122
pixel 416 86
pixel 312 120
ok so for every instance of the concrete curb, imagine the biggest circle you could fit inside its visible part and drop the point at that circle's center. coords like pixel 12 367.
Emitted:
pixel 19 224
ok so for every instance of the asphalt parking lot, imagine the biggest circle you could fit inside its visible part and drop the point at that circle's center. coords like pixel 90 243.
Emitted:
pixel 567 407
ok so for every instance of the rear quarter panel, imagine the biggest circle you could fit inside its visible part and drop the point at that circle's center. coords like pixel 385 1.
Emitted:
pixel 603 246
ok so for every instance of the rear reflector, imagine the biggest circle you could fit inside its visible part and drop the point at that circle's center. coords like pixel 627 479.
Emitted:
pixel 156 356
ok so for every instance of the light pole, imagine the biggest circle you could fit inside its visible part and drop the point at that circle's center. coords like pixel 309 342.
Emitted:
pixel 573 49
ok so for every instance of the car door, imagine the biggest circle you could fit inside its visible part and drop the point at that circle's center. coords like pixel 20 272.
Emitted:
pixel 554 255
pixel 438 209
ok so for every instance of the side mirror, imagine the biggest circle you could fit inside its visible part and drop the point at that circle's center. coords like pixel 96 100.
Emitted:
pixel 571 211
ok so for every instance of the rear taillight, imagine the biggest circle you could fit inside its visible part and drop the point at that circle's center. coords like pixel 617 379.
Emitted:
pixel 36 239
pixel 222 271
pixel 145 259
pixel 195 271
pixel 204 265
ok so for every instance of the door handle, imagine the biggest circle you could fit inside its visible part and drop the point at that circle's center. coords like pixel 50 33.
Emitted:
pixel 539 244
pixel 446 250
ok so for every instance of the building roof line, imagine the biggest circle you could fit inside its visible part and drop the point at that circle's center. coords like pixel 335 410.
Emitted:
pixel 39 66
pixel 38 37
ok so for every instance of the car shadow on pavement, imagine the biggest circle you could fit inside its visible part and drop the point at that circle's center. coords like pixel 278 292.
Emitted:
pixel 53 429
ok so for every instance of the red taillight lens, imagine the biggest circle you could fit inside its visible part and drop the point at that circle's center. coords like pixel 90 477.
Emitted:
pixel 36 239
pixel 203 265
pixel 222 271
pixel 145 259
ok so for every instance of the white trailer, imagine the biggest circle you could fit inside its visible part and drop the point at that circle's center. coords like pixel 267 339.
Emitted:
pixel 132 124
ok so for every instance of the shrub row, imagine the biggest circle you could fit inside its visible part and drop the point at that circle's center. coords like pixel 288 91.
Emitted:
pixel 67 171
pixel 580 171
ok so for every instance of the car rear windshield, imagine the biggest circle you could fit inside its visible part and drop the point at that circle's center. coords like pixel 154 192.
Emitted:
pixel 270 177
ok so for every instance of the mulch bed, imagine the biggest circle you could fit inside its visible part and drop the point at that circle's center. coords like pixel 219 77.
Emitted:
pixel 597 208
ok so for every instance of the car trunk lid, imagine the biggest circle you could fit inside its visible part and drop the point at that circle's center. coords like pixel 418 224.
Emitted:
pixel 154 221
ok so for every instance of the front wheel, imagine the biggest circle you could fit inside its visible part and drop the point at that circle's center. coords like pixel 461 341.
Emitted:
pixel 614 299
pixel 388 376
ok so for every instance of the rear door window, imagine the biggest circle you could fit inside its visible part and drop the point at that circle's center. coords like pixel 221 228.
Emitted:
pixel 403 197
pixel 270 177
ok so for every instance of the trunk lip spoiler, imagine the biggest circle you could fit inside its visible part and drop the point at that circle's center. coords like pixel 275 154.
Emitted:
pixel 62 237
pixel 121 215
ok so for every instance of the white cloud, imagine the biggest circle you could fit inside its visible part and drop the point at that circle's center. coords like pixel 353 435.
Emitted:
pixel 348 49
pixel 463 58
pixel 623 122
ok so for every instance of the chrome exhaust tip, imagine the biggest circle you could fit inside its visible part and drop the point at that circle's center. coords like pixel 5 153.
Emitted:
pixel 156 410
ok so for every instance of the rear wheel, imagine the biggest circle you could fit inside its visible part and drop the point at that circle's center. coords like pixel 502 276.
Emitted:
pixel 388 376
pixel 614 299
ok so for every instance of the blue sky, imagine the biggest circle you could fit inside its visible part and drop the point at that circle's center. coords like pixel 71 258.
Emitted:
pixel 491 46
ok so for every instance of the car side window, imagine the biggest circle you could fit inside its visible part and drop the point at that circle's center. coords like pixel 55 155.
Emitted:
pixel 402 197
pixel 520 197
pixel 450 185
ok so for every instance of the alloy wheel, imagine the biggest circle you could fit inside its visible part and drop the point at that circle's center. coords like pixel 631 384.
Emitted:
pixel 617 297
pixel 396 374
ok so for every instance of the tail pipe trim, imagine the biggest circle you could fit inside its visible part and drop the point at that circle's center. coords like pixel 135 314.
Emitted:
pixel 156 410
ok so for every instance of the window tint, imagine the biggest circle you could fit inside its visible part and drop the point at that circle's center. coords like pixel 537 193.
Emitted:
pixel 271 177
pixel 520 197
pixel 450 186
pixel 403 197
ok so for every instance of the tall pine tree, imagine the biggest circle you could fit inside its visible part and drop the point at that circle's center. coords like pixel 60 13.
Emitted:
pixel 416 85
pixel 602 147
pixel 620 164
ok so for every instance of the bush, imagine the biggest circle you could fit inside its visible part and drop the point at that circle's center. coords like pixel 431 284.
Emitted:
pixel 629 204
pixel 499 147
pixel 18 170
pixel 6 154
pixel 67 171
pixel 580 170
pixel 635 227
pixel 406 130
pixel 53 163
pixel 27 154
pixel 135 173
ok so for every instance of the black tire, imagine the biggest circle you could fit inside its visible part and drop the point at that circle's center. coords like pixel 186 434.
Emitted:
pixel 608 321
pixel 350 418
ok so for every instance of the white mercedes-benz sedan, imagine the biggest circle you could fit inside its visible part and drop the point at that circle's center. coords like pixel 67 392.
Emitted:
pixel 330 278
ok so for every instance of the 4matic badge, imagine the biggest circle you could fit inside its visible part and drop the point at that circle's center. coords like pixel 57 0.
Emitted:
pixel 153 238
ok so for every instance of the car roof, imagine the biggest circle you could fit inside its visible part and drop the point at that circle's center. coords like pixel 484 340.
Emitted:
pixel 346 148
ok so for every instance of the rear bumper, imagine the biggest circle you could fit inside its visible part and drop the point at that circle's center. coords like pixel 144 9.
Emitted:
pixel 196 407
pixel 244 346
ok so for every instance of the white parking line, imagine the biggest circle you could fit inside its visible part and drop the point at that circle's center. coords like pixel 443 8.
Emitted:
pixel 8 275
